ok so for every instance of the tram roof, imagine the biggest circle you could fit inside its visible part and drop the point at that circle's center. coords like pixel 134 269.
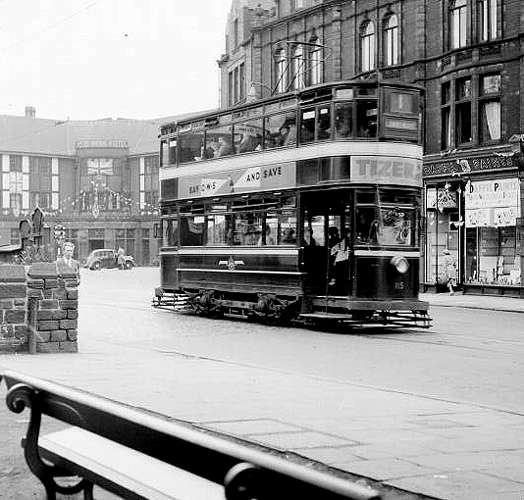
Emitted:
pixel 289 95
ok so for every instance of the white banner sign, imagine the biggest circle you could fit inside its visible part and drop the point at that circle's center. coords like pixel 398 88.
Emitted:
pixel 494 203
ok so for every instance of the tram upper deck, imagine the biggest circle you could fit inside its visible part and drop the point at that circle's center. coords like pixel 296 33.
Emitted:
pixel 356 132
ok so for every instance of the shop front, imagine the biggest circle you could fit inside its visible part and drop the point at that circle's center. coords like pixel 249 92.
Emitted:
pixel 473 225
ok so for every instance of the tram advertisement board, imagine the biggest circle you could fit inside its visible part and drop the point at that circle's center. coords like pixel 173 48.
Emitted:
pixel 386 170
pixel 277 176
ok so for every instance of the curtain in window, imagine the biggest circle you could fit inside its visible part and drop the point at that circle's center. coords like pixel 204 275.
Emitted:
pixel 492 115
pixel 367 47
pixel 391 40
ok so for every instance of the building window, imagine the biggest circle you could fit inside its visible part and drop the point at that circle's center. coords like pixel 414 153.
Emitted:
pixel 391 40
pixel 489 108
pixel 241 82
pixel 231 83
pixel 15 163
pixel 280 71
pixel 367 46
pixel 463 110
pixel 15 236
pixel 40 182
pixel 297 67
pixel 297 4
pixel 445 101
pixel 457 23
pixel 487 20
pixel 315 63
pixel 235 34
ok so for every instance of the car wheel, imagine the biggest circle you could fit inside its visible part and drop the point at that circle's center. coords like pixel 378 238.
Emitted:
pixel 97 266
pixel 129 265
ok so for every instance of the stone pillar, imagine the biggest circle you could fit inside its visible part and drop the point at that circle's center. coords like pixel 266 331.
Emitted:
pixel 55 288
pixel 13 330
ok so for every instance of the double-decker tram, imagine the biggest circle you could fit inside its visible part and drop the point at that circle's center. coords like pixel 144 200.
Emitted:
pixel 305 206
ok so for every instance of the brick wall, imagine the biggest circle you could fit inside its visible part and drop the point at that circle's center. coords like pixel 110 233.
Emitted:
pixel 53 289
pixel 13 315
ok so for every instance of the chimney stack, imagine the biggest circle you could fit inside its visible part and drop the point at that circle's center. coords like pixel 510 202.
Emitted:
pixel 30 112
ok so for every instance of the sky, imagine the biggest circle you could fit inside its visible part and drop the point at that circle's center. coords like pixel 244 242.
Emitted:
pixel 88 59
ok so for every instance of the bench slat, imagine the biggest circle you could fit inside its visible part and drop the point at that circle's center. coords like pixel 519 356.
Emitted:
pixel 129 468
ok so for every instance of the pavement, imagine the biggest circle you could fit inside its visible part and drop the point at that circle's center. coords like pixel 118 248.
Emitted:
pixel 402 442
pixel 486 302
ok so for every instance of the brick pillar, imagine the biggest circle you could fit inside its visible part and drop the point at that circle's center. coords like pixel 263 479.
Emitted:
pixel 56 290
pixel 13 331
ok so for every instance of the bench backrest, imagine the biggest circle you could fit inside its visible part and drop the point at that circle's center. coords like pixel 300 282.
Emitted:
pixel 241 466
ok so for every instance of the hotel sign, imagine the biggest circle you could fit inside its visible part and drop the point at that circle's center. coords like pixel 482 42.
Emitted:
pixel 101 143
pixel 386 170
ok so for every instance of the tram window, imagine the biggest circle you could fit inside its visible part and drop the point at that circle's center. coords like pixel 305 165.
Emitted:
pixel 400 102
pixel 366 226
pixel 172 151
pixel 307 126
pixel 397 198
pixel 191 146
pixel 248 136
pixel 247 228
pixel 314 231
pixel 324 123
pixel 192 230
pixel 369 197
pixel 396 227
pixel 367 119
pixel 219 142
pixel 269 235
pixel 280 130
pixel 164 152
pixel 288 224
pixel 170 236
pixel 218 229
pixel 344 120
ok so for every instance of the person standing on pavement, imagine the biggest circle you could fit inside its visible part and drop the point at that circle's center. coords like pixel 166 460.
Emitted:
pixel 67 258
pixel 120 260
pixel 450 269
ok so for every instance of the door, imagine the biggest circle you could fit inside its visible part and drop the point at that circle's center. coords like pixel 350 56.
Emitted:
pixel 327 241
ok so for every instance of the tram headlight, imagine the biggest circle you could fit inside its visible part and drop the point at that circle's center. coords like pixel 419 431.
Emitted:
pixel 401 264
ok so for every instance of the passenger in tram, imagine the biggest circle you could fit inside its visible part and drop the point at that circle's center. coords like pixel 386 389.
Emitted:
pixel 269 239
pixel 289 236
pixel 224 147
pixel 340 252
pixel 249 143
pixel 287 135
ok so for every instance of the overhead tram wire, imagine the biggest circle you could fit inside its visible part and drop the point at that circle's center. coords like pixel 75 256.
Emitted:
pixel 32 38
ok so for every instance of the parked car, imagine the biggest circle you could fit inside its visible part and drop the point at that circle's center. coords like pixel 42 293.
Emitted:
pixel 107 258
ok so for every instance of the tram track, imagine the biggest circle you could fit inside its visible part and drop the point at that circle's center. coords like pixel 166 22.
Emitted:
pixel 192 356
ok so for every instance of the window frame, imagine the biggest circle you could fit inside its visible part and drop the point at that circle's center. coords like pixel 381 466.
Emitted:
pixel 484 98
pixel 391 41
pixel 458 18
pixel 367 46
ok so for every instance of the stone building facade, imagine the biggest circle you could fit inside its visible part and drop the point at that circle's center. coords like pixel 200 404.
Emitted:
pixel 469 56
pixel 98 179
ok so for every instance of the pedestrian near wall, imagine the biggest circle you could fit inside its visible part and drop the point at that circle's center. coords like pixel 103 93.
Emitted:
pixel 450 267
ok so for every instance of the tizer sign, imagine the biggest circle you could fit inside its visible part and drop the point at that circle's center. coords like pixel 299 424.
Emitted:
pixel 386 170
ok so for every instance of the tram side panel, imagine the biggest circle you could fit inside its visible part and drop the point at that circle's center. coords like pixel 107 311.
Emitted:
pixel 378 278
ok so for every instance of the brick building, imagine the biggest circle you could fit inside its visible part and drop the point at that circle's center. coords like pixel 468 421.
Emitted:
pixel 97 178
pixel 468 54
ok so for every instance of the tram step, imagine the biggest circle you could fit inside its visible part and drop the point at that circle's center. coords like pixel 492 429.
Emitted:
pixel 333 316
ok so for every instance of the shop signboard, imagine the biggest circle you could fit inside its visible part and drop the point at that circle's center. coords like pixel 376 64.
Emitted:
pixel 444 199
pixel 493 203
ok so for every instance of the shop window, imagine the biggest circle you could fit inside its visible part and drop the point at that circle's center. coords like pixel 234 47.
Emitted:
pixel 489 109
pixel 492 209
pixel 367 46
pixel 487 18
pixel 457 24
pixel 390 40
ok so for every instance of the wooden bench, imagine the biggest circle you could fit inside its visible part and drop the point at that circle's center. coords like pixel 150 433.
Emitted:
pixel 137 454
